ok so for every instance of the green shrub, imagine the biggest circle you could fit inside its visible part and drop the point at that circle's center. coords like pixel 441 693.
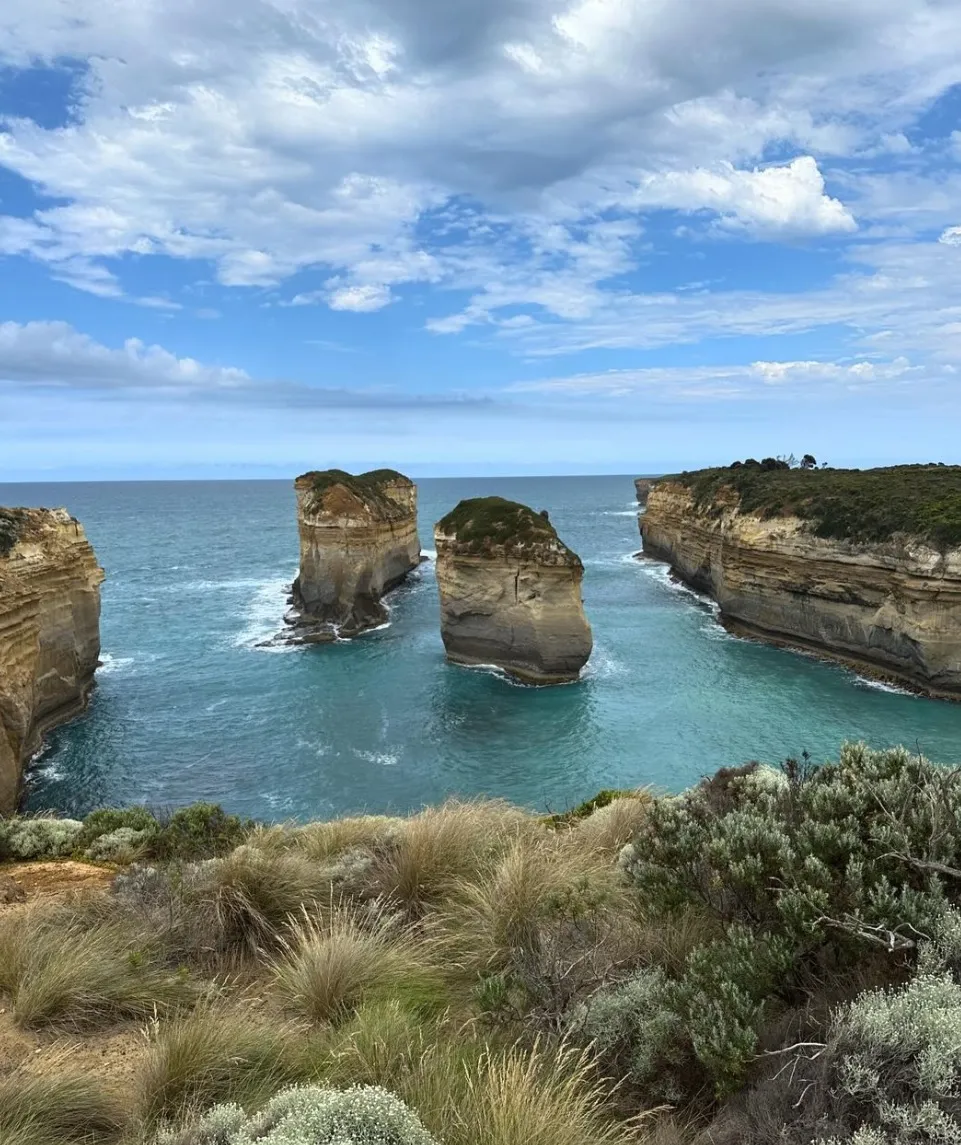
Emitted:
pixel 106 820
pixel 120 845
pixel 41 838
pixel 887 1072
pixel 311 1115
pixel 200 831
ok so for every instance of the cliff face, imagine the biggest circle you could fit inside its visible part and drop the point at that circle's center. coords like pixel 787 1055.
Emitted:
pixel 511 599
pixel 891 607
pixel 358 539
pixel 643 487
pixel 49 632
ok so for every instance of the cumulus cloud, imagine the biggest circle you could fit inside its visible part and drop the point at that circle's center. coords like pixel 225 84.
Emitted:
pixel 272 137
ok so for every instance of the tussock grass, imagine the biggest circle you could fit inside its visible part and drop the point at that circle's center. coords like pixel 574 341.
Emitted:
pixel 216 1054
pixel 537 1096
pixel 420 859
pixel 327 840
pixel 69 968
pixel 57 1107
pixel 608 829
pixel 488 921
pixel 331 966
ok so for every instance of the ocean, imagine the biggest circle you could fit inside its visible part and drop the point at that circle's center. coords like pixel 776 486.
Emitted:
pixel 189 705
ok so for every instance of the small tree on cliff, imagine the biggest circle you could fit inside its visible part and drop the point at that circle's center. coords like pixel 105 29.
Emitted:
pixel 809 461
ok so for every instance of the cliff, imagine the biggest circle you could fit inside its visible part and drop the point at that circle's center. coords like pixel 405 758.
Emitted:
pixel 510 592
pixel 49 632
pixel 358 539
pixel 864 567
pixel 642 489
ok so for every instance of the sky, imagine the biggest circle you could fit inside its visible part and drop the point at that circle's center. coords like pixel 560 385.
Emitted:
pixel 243 238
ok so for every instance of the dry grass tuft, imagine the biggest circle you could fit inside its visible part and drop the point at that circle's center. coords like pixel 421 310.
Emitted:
pixel 330 967
pixel 57 1107
pixel 327 840
pixel 216 1054
pixel 70 968
pixel 609 828
pixel 419 860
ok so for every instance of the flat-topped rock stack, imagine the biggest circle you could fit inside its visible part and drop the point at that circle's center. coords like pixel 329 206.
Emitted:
pixel 49 632
pixel 510 592
pixel 358 540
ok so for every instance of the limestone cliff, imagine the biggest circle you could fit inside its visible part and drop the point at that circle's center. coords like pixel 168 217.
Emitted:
pixel 510 592
pixel 358 539
pixel 890 604
pixel 642 489
pixel 49 632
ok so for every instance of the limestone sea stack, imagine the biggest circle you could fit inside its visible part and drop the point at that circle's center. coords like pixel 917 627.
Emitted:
pixel 49 632
pixel 510 592
pixel 861 565
pixel 358 540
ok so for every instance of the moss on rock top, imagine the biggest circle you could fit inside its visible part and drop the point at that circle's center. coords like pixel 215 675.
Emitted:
pixel 367 487
pixel 860 505
pixel 480 523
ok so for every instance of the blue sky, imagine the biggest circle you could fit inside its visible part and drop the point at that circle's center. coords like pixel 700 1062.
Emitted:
pixel 507 236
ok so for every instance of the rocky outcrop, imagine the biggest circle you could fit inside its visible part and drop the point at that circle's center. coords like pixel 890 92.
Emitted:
pixel 49 632
pixel 642 489
pixel 890 607
pixel 358 540
pixel 510 592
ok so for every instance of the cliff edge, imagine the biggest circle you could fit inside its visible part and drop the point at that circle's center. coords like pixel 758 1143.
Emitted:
pixel 510 592
pixel 861 565
pixel 49 632
pixel 358 539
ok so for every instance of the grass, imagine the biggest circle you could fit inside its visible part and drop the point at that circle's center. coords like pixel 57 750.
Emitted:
pixel 216 1054
pixel 58 1107
pixel 324 841
pixel 64 969
pixel 861 505
pixel 418 862
pixel 330 968
pixel 480 523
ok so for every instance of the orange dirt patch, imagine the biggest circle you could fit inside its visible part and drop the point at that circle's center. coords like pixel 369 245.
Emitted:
pixel 55 880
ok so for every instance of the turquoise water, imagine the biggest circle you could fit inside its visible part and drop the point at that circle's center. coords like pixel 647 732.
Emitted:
pixel 188 707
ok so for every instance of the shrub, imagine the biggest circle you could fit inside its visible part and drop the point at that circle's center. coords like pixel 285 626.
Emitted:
pixel 122 845
pixel 40 838
pixel 888 1071
pixel 106 820
pixel 200 831
pixel 57 1107
pixel 61 967
pixel 362 1115
pixel 215 1054
pixel 332 967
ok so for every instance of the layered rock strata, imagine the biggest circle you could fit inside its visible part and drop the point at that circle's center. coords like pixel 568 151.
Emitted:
pixel 890 607
pixel 510 592
pixel 642 489
pixel 358 540
pixel 49 632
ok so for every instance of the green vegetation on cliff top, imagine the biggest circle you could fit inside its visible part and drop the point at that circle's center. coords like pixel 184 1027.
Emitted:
pixel 369 487
pixel 863 505
pixel 486 522
pixel 10 522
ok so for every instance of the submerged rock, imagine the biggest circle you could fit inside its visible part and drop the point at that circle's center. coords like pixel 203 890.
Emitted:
pixel 510 592
pixel 358 540
pixel 49 632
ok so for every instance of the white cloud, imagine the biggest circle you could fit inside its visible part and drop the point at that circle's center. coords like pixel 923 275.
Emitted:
pixel 362 299
pixel 273 137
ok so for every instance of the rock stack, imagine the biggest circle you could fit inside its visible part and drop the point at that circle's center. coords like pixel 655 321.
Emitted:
pixel 358 540
pixel 510 592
